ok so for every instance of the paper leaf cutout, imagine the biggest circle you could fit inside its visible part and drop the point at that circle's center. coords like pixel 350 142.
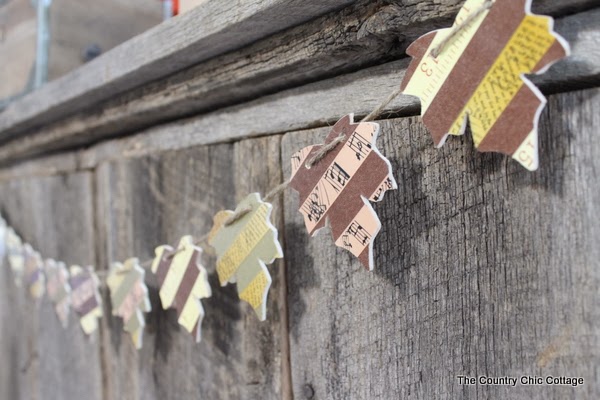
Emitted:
pixel 85 297
pixel 339 187
pixel 129 297
pixel 59 291
pixel 478 77
pixel 34 272
pixel 183 281
pixel 243 250
pixel 16 259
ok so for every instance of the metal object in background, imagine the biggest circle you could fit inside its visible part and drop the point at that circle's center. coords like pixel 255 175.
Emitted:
pixel 40 74
pixel 168 9
pixel 39 71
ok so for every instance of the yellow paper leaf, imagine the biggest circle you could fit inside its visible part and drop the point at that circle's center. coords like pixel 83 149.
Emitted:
pixel 243 248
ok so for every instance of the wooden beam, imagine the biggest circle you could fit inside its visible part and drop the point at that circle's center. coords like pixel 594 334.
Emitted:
pixel 311 105
pixel 364 34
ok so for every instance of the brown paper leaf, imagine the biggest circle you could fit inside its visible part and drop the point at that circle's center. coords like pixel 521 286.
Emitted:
pixel 85 297
pixel 339 187
pixel 34 272
pixel 478 77
pixel 182 282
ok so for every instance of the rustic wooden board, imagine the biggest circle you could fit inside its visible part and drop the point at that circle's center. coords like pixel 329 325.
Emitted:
pixel 41 359
pixel 481 268
pixel 365 34
pixel 156 200
pixel 198 35
pixel 322 103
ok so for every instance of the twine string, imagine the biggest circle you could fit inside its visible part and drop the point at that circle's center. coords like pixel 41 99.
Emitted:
pixel 236 216
pixel 324 150
pixel 437 50
pixel 276 191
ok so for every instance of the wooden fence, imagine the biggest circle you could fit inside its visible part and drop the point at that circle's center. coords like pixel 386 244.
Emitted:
pixel 482 268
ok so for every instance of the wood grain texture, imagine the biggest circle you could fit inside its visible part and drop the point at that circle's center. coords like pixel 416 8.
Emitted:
pixel 41 359
pixel 367 33
pixel 150 201
pixel 180 42
pixel 482 268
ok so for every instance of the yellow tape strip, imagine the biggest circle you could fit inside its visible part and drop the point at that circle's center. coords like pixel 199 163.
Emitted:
pixel 243 244
pixel 253 293
pixel 528 44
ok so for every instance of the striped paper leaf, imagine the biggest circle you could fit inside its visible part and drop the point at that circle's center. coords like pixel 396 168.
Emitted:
pixel 57 286
pixel 85 297
pixel 182 282
pixel 477 77
pixel 339 187
pixel 129 297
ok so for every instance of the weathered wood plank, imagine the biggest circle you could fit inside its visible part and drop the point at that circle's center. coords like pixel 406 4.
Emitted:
pixel 207 31
pixel 482 268
pixel 364 34
pixel 41 359
pixel 322 103
pixel 155 200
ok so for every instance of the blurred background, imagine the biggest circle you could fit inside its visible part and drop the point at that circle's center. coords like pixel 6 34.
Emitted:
pixel 41 40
